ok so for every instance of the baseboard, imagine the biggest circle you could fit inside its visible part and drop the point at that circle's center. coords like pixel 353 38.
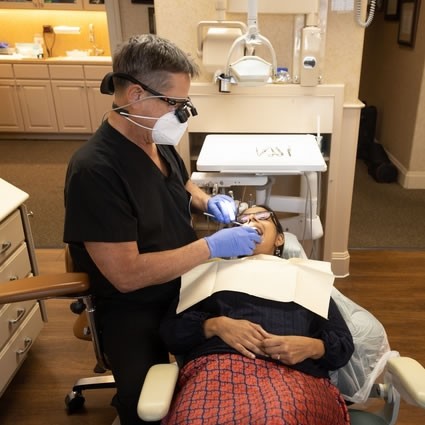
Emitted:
pixel 408 179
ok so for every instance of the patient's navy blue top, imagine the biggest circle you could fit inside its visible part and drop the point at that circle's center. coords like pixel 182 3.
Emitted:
pixel 114 192
pixel 184 336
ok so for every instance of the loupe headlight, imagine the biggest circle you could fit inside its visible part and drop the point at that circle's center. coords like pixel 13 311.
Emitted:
pixel 184 111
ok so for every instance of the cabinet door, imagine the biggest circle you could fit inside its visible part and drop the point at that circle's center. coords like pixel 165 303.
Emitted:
pixel 60 4
pixel 41 4
pixel 98 103
pixel 38 109
pixel 72 106
pixel 10 112
pixel 94 4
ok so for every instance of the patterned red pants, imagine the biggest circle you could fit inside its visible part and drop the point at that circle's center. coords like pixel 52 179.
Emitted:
pixel 229 389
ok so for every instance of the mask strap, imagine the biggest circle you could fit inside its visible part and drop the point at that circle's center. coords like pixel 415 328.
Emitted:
pixel 136 123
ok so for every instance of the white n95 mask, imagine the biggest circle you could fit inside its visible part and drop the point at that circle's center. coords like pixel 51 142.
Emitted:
pixel 168 130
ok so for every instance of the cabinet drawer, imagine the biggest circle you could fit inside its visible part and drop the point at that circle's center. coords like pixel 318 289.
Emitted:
pixel 6 70
pixel 94 72
pixel 15 351
pixel 11 235
pixel 31 71
pixel 11 317
pixel 17 266
pixel 70 72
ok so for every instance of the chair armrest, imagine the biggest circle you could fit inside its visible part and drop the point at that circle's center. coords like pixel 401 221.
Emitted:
pixel 408 377
pixel 41 287
pixel 157 392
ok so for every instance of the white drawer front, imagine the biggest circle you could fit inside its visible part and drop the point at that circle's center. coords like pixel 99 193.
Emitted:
pixel 94 72
pixel 15 351
pixel 6 70
pixel 72 72
pixel 17 266
pixel 31 71
pixel 11 317
pixel 11 235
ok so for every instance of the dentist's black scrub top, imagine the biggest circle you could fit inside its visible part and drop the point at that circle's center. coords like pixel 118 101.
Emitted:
pixel 115 193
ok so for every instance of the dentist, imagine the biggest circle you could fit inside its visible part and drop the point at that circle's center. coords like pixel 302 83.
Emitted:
pixel 128 200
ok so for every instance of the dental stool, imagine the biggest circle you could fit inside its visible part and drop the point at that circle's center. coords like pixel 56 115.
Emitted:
pixel 74 286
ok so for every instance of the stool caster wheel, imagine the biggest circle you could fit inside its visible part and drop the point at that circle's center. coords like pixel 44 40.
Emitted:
pixel 74 401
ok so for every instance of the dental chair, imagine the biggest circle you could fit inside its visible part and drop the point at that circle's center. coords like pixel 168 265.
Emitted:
pixel 402 377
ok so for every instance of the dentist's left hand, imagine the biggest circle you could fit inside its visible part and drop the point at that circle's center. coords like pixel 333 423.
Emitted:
pixel 222 207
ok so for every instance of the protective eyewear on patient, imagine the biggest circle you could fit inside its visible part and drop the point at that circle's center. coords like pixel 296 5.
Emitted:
pixel 260 215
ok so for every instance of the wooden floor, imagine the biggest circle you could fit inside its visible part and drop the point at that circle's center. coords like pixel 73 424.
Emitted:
pixel 390 284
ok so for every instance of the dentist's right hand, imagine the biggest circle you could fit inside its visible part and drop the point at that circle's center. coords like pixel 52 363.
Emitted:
pixel 233 242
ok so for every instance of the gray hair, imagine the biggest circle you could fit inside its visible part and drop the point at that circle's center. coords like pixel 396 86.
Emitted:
pixel 151 59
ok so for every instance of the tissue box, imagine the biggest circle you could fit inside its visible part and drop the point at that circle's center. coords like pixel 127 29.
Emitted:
pixel 29 50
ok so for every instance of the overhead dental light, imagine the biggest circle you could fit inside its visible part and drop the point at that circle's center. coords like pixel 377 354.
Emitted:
pixel 215 42
pixel 249 70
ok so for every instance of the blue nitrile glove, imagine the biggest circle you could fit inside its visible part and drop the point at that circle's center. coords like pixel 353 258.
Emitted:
pixel 233 242
pixel 222 207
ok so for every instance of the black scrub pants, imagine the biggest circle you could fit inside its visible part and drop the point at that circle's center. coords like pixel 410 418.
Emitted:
pixel 132 345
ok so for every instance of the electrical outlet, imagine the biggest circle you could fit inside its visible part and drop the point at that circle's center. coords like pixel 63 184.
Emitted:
pixel 47 28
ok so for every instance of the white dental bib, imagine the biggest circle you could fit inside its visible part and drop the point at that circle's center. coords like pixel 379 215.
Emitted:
pixel 306 282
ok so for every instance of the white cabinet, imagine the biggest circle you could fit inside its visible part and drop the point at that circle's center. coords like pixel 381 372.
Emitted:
pixel 20 323
pixel 52 98
pixel 94 4
pixel 71 106
pixel 79 104
pixel 99 103
pixel 42 4
pixel 48 4
pixel 26 99
pixel 70 96
pixel 10 111
pixel 38 109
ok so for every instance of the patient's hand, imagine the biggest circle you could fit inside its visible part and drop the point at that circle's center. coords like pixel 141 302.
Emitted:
pixel 293 349
pixel 242 335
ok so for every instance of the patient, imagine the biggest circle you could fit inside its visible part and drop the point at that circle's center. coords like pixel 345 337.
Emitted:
pixel 248 360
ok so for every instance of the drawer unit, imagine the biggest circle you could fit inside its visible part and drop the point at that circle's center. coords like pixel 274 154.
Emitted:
pixel 11 318
pixel 17 266
pixel 15 351
pixel 11 235
pixel 20 322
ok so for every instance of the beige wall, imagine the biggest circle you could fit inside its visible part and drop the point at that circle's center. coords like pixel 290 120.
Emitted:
pixel 134 18
pixel 177 21
pixel 393 80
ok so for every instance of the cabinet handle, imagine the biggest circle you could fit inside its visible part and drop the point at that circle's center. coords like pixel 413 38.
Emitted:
pixel 14 277
pixel 30 214
pixel 27 342
pixel 20 314
pixel 5 246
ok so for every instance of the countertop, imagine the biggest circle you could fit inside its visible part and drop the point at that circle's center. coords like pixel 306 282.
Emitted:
pixel 101 60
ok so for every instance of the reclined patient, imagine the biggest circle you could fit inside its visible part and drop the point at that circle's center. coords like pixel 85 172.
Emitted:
pixel 250 360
